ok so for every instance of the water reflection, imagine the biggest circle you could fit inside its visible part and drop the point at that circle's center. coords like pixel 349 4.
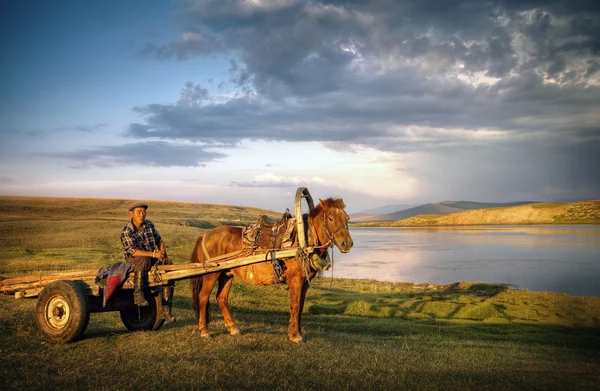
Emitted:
pixel 541 258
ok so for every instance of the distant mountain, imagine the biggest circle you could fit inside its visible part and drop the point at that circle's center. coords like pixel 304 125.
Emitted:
pixel 440 208
pixel 582 212
pixel 385 209
pixel 469 205
pixel 370 214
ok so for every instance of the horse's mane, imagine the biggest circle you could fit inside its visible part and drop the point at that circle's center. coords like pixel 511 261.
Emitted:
pixel 327 203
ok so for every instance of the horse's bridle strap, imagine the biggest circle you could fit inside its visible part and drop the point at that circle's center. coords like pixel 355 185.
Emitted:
pixel 331 241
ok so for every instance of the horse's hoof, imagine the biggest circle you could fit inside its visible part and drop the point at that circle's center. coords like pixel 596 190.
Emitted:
pixel 235 331
pixel 297 339
pixel 204 334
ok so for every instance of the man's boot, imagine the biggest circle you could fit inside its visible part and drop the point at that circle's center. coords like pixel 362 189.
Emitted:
pixel 139 286
pixel 167 300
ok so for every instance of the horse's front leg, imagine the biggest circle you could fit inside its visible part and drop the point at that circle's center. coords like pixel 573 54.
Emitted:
pixel 208 283
pixel 305 286
pixel 297 294
pixel 225 283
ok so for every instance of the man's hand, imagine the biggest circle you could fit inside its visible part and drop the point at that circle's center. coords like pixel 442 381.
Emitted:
pixel 162 253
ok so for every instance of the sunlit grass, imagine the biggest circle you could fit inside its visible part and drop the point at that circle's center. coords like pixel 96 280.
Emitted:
pixel 392 335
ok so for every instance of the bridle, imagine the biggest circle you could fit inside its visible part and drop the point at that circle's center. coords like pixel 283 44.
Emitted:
pixel 329 244
pixel 330 240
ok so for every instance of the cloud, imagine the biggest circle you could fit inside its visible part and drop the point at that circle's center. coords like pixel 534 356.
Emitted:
pixel 519 80
pixel 291 48
pixel 151 153
pixel 192 95
pixel 416 114
pixel 192 43
pixel 83 128
pixel 273 180
pixel 513 171
pixel 331 71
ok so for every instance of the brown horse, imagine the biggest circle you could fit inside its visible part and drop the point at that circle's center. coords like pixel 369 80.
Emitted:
pixel 327 225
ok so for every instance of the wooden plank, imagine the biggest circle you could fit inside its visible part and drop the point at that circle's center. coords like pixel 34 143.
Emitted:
pixel 180 272
pixel 35 292
pixel 10 288
pixel 31 286
pixel 48 277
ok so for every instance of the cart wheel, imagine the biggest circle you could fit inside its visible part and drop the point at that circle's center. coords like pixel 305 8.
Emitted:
pixel 143 318
pixel 62 312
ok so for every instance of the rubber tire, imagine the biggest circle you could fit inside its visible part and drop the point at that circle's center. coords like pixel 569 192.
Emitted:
pixel 61 312
pixel 147 318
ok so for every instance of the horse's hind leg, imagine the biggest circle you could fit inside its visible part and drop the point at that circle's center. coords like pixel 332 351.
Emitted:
pixel 208 282
pixel 225 283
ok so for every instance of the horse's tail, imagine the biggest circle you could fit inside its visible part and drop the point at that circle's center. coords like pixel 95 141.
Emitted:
pixel 197 281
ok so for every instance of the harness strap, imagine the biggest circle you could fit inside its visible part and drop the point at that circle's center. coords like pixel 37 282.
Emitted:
pixel 277 271
pixel 204 247
pixel 231 255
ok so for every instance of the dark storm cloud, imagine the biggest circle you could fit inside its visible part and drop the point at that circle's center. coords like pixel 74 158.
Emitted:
pixel 144 153
pixel 543 171
pixel 299 49
pixel 481 36
pixel 379 112
pixel 407 76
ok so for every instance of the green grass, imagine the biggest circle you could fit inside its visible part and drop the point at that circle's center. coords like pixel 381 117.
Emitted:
pixel 360 334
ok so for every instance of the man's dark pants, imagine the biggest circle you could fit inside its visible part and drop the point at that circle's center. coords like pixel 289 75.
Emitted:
pixel 144 264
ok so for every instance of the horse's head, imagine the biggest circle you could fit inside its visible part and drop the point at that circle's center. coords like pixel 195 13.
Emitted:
pixel 334 219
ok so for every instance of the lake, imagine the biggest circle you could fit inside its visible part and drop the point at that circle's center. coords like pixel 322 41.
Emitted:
pixel 553 258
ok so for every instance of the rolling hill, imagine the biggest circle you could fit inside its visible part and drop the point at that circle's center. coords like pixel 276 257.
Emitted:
pixel 440 208
pixel 582 212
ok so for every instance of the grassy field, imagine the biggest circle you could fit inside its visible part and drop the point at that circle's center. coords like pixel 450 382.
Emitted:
pixel 583 212
pixel 39 233
pixel 360 334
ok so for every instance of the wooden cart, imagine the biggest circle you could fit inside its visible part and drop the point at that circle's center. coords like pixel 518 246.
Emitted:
pixel 66 300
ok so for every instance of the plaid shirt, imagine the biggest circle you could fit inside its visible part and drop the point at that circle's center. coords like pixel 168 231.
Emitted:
pixel 133 239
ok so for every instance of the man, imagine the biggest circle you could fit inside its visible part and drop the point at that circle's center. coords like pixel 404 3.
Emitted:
pixel 143 248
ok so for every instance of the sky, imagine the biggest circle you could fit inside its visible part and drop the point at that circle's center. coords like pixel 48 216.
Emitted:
pixel 243 101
